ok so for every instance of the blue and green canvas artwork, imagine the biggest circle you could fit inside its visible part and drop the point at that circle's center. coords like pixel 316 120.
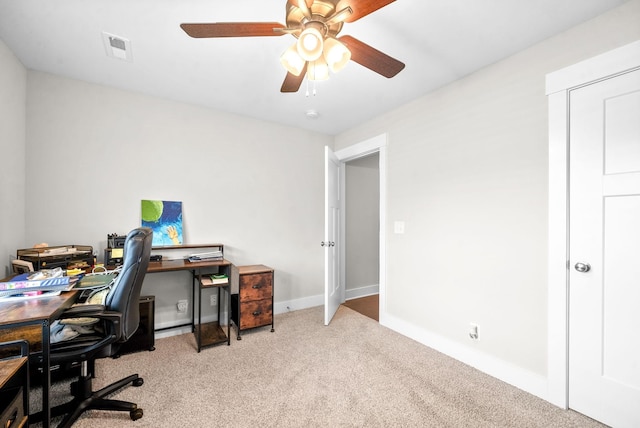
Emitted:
pixel 165 219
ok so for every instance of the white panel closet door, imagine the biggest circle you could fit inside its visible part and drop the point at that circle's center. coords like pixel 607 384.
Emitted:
pixel 604 247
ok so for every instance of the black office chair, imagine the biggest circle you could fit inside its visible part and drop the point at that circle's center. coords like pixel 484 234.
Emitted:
pixel 120 317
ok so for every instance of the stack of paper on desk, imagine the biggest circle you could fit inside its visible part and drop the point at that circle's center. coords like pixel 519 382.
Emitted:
pixel 21 285
pixel 210 255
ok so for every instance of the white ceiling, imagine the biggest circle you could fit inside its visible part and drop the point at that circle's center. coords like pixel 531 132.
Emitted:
pixel 438 40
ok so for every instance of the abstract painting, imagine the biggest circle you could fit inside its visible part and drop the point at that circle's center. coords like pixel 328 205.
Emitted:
pixel 165 219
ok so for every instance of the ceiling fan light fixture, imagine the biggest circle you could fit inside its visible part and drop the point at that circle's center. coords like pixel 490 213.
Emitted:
pixel 336 54
pixel 291 61
pixel 310 44
pixel 318 70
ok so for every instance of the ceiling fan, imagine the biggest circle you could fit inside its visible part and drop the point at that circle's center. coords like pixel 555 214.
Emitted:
pixel 316 24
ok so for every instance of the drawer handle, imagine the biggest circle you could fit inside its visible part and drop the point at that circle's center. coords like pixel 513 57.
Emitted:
pixel 256 286
pixel 256 313
pixel 12 419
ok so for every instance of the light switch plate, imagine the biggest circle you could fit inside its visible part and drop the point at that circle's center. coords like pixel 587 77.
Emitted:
pixel 398 227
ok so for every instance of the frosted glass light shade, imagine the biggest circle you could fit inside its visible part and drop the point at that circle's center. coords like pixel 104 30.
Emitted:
pixel 291 61
pixel 310 44
pixel 336 54
pixel 318 70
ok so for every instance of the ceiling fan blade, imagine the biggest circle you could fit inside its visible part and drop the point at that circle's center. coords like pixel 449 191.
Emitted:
pixel 233 29
pixel 372 58
pixel 362 7
pixel 292 82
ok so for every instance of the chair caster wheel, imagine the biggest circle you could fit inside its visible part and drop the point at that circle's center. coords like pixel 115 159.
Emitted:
pixel 136 414
pixel 138 382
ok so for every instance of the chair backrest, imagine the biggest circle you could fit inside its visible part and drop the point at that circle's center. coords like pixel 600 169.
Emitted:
pixel 124 296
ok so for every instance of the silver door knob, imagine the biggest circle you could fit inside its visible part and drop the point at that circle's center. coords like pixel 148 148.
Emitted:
pixel 583 267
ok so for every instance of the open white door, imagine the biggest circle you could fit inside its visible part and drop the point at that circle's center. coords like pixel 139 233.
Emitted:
pixel 332 287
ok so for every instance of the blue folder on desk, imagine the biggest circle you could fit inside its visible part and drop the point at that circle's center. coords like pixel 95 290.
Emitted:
pixel 21 285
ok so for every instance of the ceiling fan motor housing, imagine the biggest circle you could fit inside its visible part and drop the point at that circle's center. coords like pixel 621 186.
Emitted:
pixel 320 10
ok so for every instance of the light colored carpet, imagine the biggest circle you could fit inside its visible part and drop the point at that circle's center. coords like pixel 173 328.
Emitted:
pixel 353 373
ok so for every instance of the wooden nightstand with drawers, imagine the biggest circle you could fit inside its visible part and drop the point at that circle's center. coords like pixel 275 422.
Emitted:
pixel 253 305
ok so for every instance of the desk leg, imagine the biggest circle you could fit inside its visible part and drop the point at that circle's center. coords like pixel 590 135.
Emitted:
pixel 228 306
pixel 46 374
pixel 199 316
pixel 193 300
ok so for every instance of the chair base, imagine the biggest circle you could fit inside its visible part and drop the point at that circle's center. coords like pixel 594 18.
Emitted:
pixel 85 399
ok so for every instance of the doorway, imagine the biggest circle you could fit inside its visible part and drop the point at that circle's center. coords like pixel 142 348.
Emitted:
pixel 374 146
pixel 362 237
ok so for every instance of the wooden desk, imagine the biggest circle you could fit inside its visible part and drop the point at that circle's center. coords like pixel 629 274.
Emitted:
pixel 32 312
pixel 210 333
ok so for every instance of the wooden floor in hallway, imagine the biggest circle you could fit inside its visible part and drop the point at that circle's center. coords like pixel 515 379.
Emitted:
pixel 368 305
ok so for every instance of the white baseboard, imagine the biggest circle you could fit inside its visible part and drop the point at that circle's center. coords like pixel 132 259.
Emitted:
pixel 298 304
pixel 368 290
pixel 318 300
pixel 525 380
pixel 171 331
pixel 279 308
pixel 175 331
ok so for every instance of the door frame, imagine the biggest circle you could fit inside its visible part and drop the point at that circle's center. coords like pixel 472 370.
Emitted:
pixel 558 86
pixel 377 144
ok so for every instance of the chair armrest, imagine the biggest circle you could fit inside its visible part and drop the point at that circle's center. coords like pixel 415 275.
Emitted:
pixel 93 311
pixel 83 311
pixel 68 350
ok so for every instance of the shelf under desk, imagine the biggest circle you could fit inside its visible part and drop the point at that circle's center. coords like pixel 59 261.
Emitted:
pixel 207 334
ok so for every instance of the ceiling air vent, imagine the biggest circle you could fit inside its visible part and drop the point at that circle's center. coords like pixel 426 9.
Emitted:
pixel 117 47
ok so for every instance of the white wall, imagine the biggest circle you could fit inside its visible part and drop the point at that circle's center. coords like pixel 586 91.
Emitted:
pixel 13 83
pixel 362 218
pixel 95 152
pixel 467 172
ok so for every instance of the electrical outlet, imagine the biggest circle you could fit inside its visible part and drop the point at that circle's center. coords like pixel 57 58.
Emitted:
pixel 182 305
pixel 213 300
pixel 473 331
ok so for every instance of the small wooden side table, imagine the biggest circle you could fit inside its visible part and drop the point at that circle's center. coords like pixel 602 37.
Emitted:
pixel 252 307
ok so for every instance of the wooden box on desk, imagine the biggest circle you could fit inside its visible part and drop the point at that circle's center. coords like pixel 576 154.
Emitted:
pixel 252 306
